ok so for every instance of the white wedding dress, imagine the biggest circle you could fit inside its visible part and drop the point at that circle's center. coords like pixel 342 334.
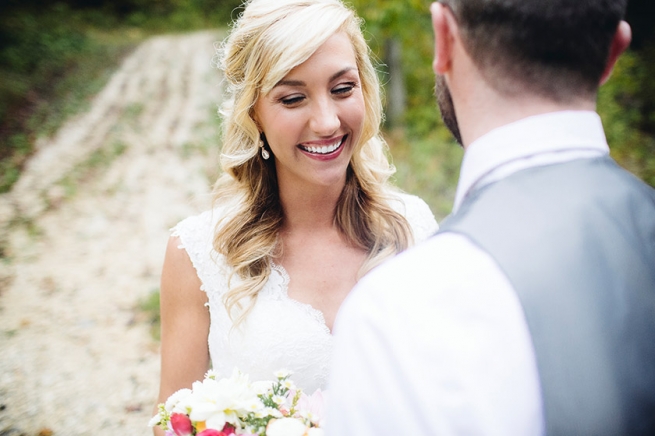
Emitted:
pixel 279 333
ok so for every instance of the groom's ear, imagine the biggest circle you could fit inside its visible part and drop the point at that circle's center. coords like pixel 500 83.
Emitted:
pixel 620 43
pixel 444 26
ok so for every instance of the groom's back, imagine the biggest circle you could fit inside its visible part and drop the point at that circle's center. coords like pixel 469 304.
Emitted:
pixel 577 242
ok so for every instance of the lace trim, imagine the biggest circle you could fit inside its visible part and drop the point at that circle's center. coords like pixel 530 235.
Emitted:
pixel 283 291
pixel 194 257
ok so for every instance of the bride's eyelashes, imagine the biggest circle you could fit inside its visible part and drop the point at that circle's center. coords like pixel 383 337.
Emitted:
pixel 345 89
pixel 342 90
pixel 291 100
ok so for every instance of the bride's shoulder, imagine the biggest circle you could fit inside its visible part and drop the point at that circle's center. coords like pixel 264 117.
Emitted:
pixel 409 205
pixel 195 235
pixel 417 212
pixel 204 223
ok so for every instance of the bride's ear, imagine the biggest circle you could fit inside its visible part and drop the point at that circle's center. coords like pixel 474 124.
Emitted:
pixel 620 43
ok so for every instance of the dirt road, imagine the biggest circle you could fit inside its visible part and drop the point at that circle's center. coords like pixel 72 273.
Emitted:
pixel 84 232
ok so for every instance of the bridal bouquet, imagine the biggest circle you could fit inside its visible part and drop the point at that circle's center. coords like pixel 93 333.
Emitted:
pixel 234 406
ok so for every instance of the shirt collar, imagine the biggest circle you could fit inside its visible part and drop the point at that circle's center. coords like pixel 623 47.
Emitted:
pixel 552 133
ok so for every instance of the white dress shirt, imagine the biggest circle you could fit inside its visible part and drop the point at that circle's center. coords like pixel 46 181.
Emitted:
pixel 435 342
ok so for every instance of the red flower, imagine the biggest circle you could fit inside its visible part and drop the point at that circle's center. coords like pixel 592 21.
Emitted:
pixel 181 424
pixel 228 430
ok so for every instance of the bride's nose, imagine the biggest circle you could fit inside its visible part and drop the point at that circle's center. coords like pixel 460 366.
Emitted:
pixel 324 119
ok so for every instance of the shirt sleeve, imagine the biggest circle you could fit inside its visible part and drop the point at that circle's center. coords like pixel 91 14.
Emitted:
pixel 434 342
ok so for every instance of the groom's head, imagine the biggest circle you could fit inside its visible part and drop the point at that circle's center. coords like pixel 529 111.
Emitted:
pixel 554 48
pixel 552 52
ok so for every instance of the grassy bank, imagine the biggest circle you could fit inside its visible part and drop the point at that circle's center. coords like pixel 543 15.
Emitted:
pixel 51 64
pixel 54 57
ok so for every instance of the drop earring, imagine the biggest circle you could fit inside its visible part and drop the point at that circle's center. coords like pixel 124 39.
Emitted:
pixel 265 153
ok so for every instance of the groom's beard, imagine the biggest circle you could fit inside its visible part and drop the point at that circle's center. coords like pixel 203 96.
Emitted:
pixel 447 108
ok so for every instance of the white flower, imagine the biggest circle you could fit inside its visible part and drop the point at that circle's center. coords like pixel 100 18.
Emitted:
pixel 268 412
pixel 279 399
pixel 306 416
pixel 288 384
pixel 218 402
pixel 283 373
pixel 286 427
pixel 315 431
pixel 155 420
pixel 174 400
pixel 262 387
pixel 254 406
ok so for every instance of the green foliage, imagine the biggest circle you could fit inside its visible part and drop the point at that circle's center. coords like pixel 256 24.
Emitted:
pixel 51 62
pixel 17 148
pixel 34 50
pixel 54 57
pixel 180 15
pixel 426 156
pixel 626 104
pixel 428 166
pixel 149 306
pixel 409 22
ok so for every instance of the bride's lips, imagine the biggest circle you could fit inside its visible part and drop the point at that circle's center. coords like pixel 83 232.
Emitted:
pixel 325 149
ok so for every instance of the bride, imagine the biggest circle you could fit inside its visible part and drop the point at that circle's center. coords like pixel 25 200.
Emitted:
pixel 302 210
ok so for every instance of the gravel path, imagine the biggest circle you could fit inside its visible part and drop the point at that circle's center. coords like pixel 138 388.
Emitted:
pixel 84 232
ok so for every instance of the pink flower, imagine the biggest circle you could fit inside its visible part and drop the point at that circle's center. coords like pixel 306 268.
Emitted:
pixel 181 424
pixel 312 407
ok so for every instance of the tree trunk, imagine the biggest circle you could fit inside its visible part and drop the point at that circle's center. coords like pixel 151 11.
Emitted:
pixel 396 92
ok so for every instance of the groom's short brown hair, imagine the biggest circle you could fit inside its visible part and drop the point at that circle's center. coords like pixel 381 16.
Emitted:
pixel 555 48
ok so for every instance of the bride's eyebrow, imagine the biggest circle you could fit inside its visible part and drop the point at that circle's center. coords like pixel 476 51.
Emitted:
pixel 335 76
pixel 342 72
pixel 290 83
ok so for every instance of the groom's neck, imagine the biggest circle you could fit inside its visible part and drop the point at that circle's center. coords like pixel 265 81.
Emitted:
pixel 480 109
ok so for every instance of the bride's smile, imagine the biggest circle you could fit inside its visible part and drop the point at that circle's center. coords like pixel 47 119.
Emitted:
pixel 326 149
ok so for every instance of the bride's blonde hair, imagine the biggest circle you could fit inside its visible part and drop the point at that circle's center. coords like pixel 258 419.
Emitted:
pixel 270 38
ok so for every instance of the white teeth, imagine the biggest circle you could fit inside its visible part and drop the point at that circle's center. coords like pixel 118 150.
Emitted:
pixel 325 149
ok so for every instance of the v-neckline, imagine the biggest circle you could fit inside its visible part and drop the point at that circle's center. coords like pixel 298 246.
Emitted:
pixel 284 288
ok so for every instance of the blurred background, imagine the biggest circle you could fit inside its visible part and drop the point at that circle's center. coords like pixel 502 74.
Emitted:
pixel 109 135
pixel 55 55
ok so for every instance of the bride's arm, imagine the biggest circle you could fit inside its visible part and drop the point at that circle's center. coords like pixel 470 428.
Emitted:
pixel 184 324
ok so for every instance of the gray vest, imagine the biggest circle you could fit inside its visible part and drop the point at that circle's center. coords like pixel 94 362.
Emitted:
pixel 577 242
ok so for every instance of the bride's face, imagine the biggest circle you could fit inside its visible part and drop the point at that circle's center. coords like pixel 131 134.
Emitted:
pixel 313 117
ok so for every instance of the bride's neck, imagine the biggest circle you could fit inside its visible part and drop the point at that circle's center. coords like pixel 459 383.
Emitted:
pixel 309 209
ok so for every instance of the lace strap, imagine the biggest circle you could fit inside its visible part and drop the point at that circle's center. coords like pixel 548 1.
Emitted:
pixel 196 234
pixel 418 215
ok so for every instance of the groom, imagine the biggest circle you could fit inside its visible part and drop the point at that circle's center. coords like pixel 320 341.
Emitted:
pixel 532 311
